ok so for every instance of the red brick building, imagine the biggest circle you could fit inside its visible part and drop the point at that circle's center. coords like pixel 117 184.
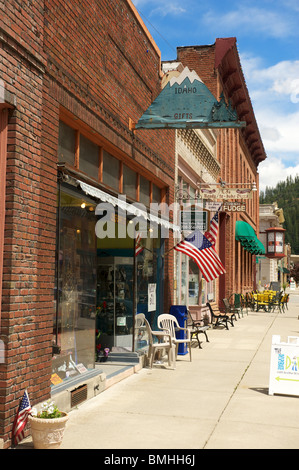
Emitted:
pixel 239 152
pixel 73 77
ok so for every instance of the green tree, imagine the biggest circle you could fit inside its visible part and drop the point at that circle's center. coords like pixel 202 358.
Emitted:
pixel 286 194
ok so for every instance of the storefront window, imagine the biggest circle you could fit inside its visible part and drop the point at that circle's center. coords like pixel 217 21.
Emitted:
pixel 188 275
pixel 184 279
pixel 129 182
pixel 74 325
pixel 194 283
pixel 149 272
pixel 110 171
pixel 89 157
pixel 144 197
pixel 156 194
pixel 66 144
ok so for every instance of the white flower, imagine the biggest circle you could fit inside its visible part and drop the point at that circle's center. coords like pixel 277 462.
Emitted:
pixel 51 409
pixel 33 412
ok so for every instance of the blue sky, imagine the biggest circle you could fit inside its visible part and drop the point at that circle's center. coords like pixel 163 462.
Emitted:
pixel 267 33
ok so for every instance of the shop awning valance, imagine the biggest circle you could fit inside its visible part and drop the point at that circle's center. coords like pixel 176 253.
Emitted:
pixel 132 209
pixel 245 234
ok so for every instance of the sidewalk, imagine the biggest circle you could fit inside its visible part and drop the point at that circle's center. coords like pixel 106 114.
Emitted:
pixel 218 401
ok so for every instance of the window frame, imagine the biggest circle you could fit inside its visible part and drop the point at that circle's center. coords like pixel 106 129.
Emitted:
pixel 91 135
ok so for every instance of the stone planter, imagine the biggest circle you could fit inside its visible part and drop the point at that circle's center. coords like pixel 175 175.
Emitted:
pixel 47 433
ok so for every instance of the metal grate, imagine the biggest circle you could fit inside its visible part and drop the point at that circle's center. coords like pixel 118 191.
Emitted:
pixel 78 395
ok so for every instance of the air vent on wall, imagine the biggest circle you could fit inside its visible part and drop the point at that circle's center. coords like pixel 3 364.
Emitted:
pixel 78 395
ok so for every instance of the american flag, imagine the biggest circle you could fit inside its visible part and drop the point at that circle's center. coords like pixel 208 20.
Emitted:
pixel 21 419
pixel 138 247
pixel 212 233
pixel 201 250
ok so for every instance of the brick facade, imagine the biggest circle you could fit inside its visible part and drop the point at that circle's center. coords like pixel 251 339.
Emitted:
pixel 238 151
pixel 95 62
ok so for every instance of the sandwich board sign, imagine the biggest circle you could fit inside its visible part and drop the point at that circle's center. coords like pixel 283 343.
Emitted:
pixel 284 366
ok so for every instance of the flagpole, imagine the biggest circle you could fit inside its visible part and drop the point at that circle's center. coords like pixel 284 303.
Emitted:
pixel 168 251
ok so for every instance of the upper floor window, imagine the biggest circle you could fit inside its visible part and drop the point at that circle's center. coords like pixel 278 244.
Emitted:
pixel 66 144
pixel 110 171
pixel 129 182
pixel 89 157
pixel 77 150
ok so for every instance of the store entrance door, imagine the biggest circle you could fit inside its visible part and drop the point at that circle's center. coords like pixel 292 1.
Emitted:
pixel 114 319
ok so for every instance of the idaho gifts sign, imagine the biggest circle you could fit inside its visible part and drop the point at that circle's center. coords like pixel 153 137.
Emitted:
pixel 284 367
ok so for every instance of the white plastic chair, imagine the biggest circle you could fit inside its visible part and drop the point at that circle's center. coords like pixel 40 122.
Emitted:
pixel 169 323
pixel 163 344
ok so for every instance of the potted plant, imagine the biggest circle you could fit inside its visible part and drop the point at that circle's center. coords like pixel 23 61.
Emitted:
pixel 47 426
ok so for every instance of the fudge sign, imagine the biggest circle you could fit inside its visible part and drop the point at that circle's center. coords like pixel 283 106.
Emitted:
pixel 233 207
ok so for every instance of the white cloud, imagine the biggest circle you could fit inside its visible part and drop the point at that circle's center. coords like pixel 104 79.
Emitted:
pixel 167 9
pixel 158 8
pixel 274 93
pixel 247 19
pixel 272 171
pixel 283 76
pixel 280 132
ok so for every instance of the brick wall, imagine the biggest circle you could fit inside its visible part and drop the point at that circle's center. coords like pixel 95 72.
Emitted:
pixel 93 59
pixel 237 165
pixel 202 60
pixel 25 316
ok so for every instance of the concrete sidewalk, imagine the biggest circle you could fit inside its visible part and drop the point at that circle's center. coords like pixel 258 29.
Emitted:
pixel 218 401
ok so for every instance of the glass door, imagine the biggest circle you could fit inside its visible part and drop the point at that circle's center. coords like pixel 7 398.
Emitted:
pixel 114 324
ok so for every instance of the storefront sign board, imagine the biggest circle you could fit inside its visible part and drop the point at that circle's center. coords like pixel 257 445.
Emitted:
pixel 224 193
pixel 284 366
pixel 213 206
pixel 187 103
pixel 233 207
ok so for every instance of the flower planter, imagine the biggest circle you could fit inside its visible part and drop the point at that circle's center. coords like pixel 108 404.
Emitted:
pixel 47 433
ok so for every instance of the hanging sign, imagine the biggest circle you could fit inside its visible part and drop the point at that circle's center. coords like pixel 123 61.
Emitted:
pixel 194 220
pixel 224 193
pixel 213 206
pixel 187 103
pixel 233 207
pixel 284 366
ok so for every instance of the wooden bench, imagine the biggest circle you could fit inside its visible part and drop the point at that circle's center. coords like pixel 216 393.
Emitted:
pixel 220 318
pixel 196 327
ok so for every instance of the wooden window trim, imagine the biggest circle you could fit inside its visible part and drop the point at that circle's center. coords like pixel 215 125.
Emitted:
pixel 100 175
pixel 82 128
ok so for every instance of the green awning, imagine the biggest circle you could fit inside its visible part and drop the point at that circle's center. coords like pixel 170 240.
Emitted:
pixel 248 239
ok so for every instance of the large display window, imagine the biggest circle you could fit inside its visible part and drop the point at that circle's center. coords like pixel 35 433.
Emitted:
pixel 191 287
pixel 100 284
pixel 101 281
pixel 74 324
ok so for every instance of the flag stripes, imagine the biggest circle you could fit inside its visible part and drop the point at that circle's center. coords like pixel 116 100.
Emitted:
pixel 212 233
pixel 21 419
pixel 201 248
pixel 138 247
